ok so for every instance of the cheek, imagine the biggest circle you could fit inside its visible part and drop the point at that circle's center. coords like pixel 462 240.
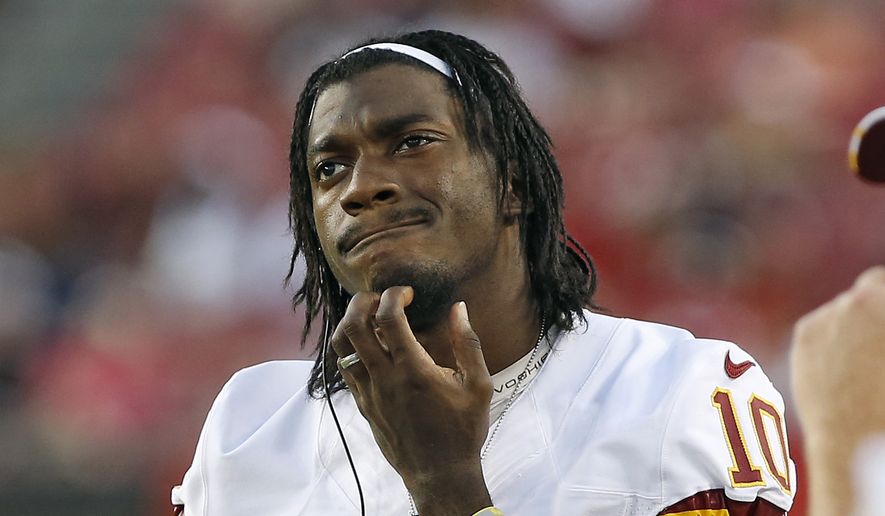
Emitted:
pixel 326 224
pixel 472 199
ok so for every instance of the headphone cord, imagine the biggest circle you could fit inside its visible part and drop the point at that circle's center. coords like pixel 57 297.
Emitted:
pixel 356 477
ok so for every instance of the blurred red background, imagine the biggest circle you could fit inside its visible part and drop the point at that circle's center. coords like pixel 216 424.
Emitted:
pixel 143 177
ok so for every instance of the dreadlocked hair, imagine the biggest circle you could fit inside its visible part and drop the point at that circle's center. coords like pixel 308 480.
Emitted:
pixel 563 276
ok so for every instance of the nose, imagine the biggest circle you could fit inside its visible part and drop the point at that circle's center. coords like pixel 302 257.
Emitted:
pixel 372 183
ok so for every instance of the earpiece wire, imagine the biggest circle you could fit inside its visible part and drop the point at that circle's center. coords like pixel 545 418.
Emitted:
pixel 356 477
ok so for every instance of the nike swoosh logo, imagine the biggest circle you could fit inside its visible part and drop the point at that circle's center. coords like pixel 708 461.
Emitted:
pixel 736 370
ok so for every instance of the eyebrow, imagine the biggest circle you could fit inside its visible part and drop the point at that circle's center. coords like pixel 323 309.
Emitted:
pixel 381 129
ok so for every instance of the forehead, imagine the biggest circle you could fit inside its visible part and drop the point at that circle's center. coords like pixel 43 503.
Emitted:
pixel 386 92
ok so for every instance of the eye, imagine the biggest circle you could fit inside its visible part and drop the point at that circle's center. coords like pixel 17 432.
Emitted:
pixel 413 141
pixel 327 169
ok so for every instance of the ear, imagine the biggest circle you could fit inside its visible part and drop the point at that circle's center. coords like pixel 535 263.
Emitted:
pixel 514 202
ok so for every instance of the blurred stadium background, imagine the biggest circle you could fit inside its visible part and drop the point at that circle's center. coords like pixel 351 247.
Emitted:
pixel 143 177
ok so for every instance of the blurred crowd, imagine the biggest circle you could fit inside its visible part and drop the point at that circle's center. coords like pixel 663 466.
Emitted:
pixel 144 238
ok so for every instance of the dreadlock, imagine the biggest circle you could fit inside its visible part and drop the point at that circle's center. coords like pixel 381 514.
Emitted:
pixel 563 276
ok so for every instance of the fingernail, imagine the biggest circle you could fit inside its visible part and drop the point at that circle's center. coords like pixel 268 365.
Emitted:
pixel 462 310
pixel 408 294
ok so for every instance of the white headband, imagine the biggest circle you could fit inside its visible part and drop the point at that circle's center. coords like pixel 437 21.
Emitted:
pixel 416 53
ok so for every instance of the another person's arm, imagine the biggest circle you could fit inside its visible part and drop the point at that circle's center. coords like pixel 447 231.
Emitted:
pixel 838 356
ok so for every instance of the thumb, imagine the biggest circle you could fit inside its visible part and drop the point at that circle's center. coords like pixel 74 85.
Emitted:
pixel 467 348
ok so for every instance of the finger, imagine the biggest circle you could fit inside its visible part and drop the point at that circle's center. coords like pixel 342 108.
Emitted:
pixel 354 376
pixel 872 277
pixel 869 291
pixel 339 342
pixel 358 329
pixel 809 324
pixel 343 347
pixel 468 350
pixel 393 327
pixel 354 373
pixel 356 323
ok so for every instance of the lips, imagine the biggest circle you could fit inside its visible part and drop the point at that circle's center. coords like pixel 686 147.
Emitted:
pixel 369 235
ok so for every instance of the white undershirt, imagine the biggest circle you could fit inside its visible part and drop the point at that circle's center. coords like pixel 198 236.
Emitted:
pixel 505 381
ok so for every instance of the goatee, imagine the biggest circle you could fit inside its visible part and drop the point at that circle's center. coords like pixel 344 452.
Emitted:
pixel 434 289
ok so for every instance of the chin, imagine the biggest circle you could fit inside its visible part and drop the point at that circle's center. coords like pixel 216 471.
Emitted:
pixel 434 287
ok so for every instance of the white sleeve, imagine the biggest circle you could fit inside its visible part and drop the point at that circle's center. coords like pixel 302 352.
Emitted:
pixel 244 404
pixel 727 433
pixel 191 495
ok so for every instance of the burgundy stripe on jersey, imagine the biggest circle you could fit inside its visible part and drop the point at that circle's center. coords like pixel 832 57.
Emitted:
pixel 715 499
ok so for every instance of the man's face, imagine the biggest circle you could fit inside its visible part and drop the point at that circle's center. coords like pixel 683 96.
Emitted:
pixel 399 198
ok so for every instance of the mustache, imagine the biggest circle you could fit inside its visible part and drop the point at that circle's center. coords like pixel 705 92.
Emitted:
pixel 389 218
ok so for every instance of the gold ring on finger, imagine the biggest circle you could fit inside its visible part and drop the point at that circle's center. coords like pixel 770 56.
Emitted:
pixel 347 361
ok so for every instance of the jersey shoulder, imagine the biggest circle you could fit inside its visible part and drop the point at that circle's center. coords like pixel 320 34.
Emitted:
pixel 727 429
pixel 246 404
pixel 254 394
pixel 712 418
pixel 636 354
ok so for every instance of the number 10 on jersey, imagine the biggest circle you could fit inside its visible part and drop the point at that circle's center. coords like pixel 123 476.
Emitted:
pixel 743 472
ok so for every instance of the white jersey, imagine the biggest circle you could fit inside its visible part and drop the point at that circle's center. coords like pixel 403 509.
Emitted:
pixel 624 418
